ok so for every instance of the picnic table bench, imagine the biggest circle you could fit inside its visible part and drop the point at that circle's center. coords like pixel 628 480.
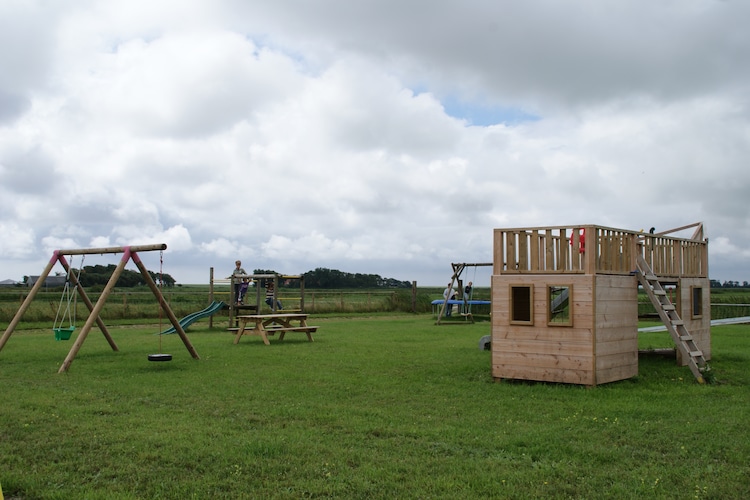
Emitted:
pixel 264 325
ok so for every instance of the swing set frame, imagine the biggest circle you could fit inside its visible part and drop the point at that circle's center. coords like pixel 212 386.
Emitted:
pixel 128 253
pixel 458 269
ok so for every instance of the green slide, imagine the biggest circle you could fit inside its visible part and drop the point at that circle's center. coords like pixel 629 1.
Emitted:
pixel 188 320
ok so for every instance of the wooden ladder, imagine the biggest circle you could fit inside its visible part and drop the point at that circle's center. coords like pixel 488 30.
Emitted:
pixel 668 314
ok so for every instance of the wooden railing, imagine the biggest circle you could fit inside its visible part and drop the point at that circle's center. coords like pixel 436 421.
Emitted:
pixel 597 250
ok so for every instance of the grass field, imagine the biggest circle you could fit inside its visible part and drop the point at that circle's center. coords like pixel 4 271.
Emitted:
pixel 377 407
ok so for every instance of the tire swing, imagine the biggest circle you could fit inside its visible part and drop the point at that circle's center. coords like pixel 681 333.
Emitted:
pixel 160 356
pixel 64 332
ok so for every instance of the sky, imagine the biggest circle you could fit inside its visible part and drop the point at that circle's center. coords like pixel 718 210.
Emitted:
pixel 378 136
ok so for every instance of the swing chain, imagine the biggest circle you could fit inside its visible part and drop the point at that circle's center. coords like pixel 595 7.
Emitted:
pixel 161 292
pixel 68 296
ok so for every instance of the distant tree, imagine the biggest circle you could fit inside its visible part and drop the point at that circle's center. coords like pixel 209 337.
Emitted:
pixel 263 280
pixel 161 279
pixel 99 275
pixel 332 278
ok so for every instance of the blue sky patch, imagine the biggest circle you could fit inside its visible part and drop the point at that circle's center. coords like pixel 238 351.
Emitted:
pixel 483 114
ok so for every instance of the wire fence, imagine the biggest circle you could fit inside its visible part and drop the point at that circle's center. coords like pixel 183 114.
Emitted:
pixel 141 304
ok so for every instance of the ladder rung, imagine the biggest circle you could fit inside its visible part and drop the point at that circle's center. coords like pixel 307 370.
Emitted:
pixel 695 354
pixel 667 307
pixel 659 292
pixel 685 338
pixel 677 322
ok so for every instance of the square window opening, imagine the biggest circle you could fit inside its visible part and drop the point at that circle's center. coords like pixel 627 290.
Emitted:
pixel 521 305
pixel 559 299
pixel 697 301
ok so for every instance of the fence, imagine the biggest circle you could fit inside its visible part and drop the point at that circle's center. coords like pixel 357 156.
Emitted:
pixel 596 250
pixel 141 304
pixel 128 304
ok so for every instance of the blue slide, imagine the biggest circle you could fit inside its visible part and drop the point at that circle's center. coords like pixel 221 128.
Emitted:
pixel 188 320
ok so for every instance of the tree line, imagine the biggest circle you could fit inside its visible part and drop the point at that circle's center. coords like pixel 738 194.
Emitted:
pixel 729 284
pixel 320 277
pixel 333 278
pixel 99 275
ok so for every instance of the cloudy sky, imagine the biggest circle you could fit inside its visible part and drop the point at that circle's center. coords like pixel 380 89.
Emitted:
pixel 372 136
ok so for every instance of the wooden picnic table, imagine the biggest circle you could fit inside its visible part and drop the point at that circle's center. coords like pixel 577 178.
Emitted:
pixel 264 325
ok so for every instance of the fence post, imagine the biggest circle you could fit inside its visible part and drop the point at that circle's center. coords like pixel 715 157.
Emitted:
pixel 414 297
pixel 211 294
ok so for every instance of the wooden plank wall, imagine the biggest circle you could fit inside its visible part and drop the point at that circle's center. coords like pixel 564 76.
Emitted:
pixel 699 328
pixel 540 352
pixel 601 346
pixel 616 306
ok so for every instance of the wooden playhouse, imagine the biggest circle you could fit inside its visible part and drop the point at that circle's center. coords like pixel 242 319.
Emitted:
pixel 565 301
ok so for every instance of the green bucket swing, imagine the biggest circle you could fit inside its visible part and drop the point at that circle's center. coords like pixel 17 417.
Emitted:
pixel 64 332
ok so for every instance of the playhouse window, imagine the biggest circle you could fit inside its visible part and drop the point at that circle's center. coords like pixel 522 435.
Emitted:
pixel 697 301
pixel 560 305
pixel 521 305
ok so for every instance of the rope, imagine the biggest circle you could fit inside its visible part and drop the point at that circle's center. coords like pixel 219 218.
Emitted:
pixel 471 293
pixel 78 280
pixel 161 288
pixel 67 294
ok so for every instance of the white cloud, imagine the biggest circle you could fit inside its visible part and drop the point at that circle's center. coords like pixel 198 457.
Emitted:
pixel 16 242
pixel 319 135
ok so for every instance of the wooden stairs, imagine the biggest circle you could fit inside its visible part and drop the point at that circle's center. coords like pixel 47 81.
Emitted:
pixel 668 314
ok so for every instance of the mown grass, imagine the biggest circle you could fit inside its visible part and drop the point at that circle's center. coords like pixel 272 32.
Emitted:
pixel 376 407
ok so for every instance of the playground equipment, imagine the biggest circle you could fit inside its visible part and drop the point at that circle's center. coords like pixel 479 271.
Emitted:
pixel 213 308
pixel 216 287
pixel 565 312
pixel 64 332
pixel 129 253
pixel 160 356
pixel 465 302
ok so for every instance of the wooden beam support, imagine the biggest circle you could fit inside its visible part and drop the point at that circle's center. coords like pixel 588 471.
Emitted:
pixel 93 251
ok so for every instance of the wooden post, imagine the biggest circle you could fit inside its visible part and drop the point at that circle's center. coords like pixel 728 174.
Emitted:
pixel 211 295
pixel 414 297
pixel 257 294
pixel 591 249
pixel 302 293
pixel 275 292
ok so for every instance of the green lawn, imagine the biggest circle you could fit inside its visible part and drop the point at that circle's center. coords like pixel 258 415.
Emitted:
pixel 376 407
